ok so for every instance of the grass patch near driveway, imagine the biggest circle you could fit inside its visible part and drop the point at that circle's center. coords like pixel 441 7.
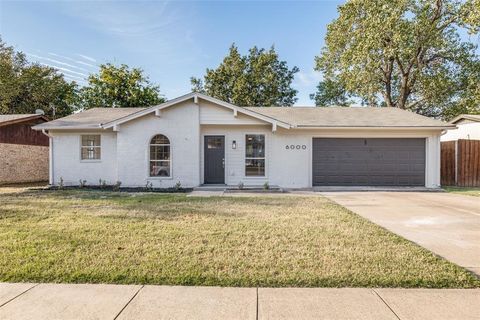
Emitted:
pixel 106 237
pixel 469 191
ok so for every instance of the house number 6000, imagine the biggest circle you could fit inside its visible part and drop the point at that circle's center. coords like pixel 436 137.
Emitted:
pixel 297 147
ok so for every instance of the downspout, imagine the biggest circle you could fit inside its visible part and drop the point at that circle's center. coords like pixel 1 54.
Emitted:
pixel 50 157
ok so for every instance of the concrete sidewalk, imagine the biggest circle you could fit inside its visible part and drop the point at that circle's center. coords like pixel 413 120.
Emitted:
pixel 88 301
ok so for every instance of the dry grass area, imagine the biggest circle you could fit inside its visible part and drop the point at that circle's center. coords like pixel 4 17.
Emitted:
pixel 468 191
pixel 108 237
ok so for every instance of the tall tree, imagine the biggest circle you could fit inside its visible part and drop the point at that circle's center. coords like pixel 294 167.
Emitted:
pixel 403 53
pixel 25 86
pixel 330 93
pixel 119 87
pixel 257 79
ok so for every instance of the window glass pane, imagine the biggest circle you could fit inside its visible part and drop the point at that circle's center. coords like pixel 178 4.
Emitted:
pixel 255 167
pixel 159 152
pixel 90 149
pixel 160 168
pixel 160 139
pixel 96 152
pixel 90 153
pixel 255 146
pixel 91 140
pixel 159 156
pixel 84 153
pixel 214 143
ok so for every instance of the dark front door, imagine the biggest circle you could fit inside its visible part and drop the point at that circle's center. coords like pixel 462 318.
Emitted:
pixel 368 162
pixel 214 159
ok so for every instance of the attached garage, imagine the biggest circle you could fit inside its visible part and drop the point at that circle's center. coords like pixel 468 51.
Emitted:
pixel 368 162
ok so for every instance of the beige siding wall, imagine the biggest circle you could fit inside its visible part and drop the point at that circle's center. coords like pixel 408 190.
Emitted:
pixel 23 163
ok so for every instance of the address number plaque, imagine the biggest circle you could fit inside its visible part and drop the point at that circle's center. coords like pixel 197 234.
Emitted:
pixel 296 147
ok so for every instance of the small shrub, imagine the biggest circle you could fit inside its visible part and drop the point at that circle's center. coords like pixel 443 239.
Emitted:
pixel 83 183
pixel 178 186
pixel 149 186
pixel 116 186
pixel 61 184
pixel 102 183
pixel 266 186
pixel 241 185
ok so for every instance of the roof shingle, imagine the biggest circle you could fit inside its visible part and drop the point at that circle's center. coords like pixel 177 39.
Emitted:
pixel 89 119
pixel 10 117
pixel 295 116
pixel 347 117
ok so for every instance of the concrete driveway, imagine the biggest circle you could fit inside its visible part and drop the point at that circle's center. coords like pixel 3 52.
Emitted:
pixel 446 224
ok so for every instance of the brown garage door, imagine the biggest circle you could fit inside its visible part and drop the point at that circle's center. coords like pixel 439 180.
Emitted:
pixel 368 162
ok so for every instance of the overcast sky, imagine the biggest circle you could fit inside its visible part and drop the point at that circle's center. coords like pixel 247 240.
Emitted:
pixel 171 41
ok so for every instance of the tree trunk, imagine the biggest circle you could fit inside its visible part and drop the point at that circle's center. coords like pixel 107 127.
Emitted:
pixel 387 73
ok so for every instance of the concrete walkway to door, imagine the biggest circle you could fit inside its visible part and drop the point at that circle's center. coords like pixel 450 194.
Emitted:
pixel 446 224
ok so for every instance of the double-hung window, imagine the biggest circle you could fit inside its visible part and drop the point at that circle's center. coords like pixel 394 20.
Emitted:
pixel 255 155
pixel 160 161
pixel 91 147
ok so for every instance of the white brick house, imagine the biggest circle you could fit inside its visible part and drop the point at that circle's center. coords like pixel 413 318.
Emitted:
pixel 196 140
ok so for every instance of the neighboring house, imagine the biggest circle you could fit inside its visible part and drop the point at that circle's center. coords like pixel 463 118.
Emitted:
pixel 23 151
pixel 196 139
pixel 468 128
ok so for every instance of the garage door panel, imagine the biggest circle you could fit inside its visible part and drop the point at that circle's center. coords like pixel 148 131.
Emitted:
pixel 370 161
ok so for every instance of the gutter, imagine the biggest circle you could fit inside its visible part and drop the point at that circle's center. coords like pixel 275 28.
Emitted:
pixel 38 128
pixel 376 127
pixel 50 157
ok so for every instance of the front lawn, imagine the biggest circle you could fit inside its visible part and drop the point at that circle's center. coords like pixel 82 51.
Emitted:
pixel 475 191
pixel 108 237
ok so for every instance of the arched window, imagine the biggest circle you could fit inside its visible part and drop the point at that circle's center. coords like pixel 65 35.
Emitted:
pixel 160 161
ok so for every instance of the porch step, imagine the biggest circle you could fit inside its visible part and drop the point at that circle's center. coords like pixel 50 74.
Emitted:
pixel 210 187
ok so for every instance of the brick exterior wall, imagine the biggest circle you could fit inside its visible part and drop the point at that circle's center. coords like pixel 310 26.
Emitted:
pixel 23 163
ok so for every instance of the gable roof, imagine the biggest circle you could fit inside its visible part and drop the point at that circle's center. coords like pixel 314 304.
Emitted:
pixel 315 117
pixel 7 119
pixel 471 117
pixel 286 117
pixel 195 96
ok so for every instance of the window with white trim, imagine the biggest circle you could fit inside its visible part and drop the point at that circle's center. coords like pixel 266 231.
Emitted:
pixel 255 155
pixel 91 147
pixel 160 161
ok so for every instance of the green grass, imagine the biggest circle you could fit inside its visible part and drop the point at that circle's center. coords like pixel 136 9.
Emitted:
pixel 107 237
pixel 464 190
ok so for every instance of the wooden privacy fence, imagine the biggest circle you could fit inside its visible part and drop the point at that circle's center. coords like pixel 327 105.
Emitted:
pixel 460 163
